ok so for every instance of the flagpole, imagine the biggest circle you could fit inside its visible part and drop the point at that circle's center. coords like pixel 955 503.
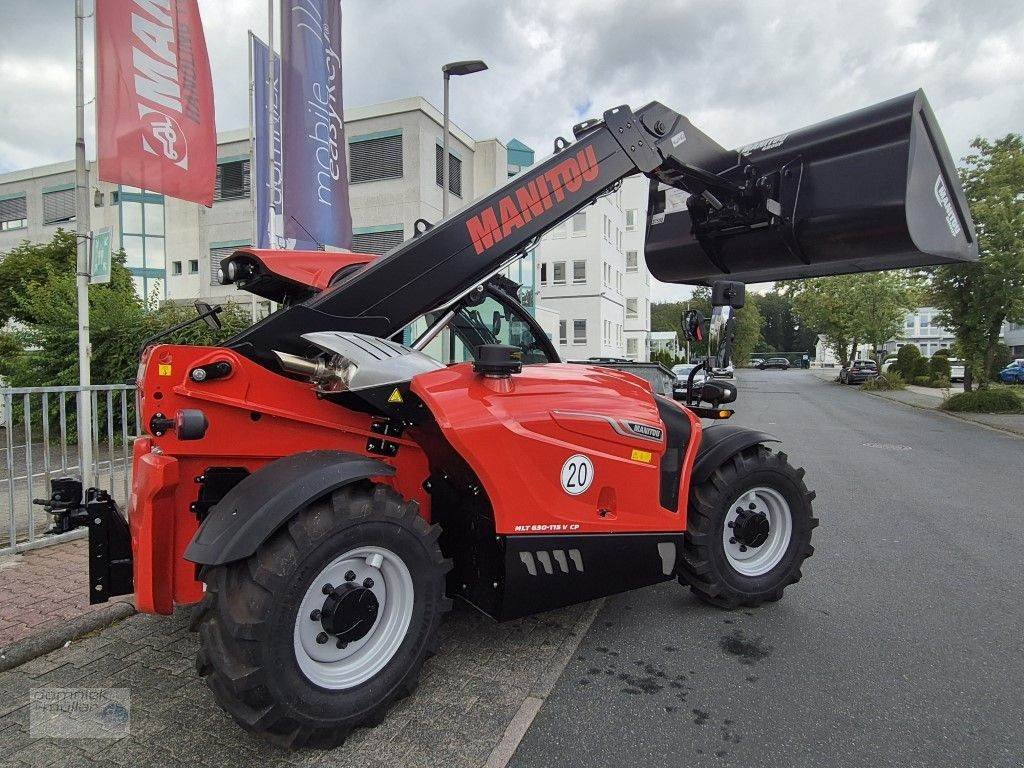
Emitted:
pixel 253 194
pixel 82 275
pixel 270 123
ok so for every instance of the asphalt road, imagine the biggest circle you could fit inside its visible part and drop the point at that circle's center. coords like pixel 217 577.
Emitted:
pixel 902 645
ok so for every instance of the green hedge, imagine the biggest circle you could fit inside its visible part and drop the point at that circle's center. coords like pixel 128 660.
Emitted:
pixel 995 400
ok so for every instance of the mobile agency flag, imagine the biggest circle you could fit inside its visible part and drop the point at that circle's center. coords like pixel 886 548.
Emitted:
pixel 154 109
pixel 316 206
pixel 267 198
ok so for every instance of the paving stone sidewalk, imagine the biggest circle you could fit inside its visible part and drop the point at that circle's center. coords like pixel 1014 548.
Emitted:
pixel 468 695
pixel 43 587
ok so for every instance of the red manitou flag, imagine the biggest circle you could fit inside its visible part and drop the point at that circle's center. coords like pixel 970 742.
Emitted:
pixel 155 98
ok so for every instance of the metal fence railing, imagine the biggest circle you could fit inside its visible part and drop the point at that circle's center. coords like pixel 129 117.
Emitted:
pixel 41 441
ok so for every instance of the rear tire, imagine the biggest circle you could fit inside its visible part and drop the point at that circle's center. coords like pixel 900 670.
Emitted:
pixel 753 560
pixel 255 648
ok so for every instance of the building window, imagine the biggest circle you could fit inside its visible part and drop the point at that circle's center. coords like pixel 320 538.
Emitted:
pixel 217 254
pixel 175 267
pixel 618 281
pixel 579 272
pixel 141 219
pixel 193 266
pixel 232 180
pixel 631 307
pixel 579 224
pixel 454 171
pixel 13 213
pixel 631 261
pixel 558 233
pixel 631 219
pixel 59 206
pixel 377 241
pixel 631 347
pixel 562 332
pixel 579 331
pixel 375 157
pixel 558 272
pixel 544 274
pixel 618 239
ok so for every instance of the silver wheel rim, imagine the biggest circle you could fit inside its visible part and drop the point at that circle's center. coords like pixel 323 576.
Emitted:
pixel 757 561
pixel 329 666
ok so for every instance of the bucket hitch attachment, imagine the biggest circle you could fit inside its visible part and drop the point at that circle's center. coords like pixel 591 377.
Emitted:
pixel 110 541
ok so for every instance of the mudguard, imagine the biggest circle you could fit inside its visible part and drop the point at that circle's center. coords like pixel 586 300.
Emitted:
pixel 262 502
pixel 719 442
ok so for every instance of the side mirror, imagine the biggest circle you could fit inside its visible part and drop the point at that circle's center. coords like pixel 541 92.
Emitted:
pixel 694 325
pixel 209 314
pixel 717 392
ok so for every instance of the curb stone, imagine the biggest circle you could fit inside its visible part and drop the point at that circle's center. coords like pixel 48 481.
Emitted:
pixel 948 414
pixel 63 632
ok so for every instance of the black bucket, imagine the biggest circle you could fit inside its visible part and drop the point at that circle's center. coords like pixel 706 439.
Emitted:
pixel 871 190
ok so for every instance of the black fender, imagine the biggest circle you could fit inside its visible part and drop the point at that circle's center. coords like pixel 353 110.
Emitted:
pixel 265 500
pixel 720 442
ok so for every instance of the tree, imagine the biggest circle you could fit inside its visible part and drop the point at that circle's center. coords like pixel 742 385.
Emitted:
pixel 43 350
pixel 781 328
pixel 975 299
pixel 850 309
pixel 826 303
pixel 32 263
pixel 882 301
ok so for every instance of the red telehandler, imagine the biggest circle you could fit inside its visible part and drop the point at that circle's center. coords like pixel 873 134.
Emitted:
pixel 402 432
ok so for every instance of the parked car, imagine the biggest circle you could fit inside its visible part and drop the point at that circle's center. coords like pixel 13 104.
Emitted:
pixel 888 363
pixel 1013 373
pixel 756 361
pixel 956 369
pixel 774 362
pixel 858 372
pixel 727 372
pixel 682 374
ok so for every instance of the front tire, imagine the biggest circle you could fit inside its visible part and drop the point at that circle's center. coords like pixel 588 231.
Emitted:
pixel 329 622
pixel 748 531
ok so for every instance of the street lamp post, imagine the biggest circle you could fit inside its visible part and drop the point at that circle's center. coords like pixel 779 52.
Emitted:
pixel 448 70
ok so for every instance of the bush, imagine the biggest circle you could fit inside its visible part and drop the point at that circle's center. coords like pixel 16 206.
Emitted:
pixel 994 400
pixel 907 355
pixel 941 352
pixel 921 381
pixel 938 367
pixel 920 368
pixel 941 382
pixel 884 381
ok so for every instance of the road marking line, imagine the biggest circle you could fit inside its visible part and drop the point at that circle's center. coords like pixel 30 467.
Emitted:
pixel 523 719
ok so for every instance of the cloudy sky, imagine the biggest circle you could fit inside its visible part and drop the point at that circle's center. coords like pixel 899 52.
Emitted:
pixel 740 70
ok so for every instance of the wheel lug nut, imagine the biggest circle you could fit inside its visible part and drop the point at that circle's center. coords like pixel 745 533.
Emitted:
pixel 732 523
pixel 322 638
pixel 732 539
pixel 753 505
pixel 350 575
pixel 328 588
pixel 315 615
pixel 743 547
pixel 367 583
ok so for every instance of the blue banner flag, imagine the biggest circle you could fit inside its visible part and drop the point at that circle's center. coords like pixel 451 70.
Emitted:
pixel 315 189
pixel 269 226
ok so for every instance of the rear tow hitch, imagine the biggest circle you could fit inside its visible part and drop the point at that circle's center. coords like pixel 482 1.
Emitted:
pixel 110 541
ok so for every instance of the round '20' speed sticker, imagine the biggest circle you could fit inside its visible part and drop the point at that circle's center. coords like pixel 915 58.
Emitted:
pixel 577 474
